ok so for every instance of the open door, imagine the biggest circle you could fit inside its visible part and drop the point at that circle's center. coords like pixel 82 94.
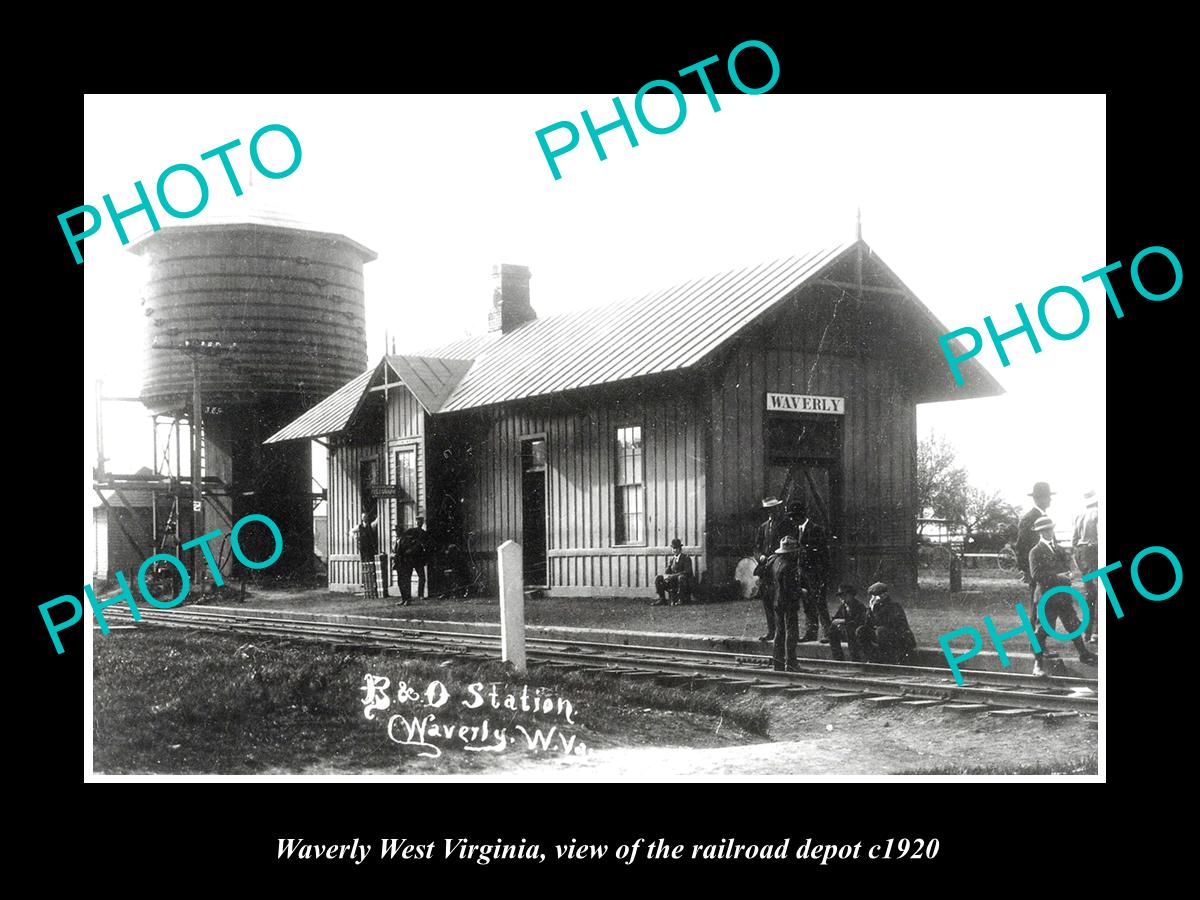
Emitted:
pixel 533 511
pixel 804 462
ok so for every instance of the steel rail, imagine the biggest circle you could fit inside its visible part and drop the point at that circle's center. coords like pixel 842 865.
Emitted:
pixel 619 663
pixel 1011 680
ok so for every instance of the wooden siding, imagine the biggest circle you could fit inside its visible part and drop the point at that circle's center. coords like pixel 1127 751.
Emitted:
pixel 405 429
pixel 878 513
pixel 385 425
pixel 580 438
pixel 345 507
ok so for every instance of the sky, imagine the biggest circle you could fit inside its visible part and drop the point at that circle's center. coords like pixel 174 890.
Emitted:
pixel 977 203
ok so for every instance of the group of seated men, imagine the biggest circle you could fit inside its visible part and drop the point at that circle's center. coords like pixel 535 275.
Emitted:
pixel 876 631
pixel 792 576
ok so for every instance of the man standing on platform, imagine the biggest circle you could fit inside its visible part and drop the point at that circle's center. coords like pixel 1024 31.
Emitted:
pixel 412 551
pixel 1026 535
pixel 783 569
pixel 368 547
pixel 1086 541
pixel 1050 568
pixel 814 568
pixel 768 539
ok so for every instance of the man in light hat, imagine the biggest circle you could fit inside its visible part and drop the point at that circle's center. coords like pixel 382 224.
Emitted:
pixel 1026 536
pixel 1050 567
pixel 783 570
pixel 885 636
pixel 764 546
pixel 1086 542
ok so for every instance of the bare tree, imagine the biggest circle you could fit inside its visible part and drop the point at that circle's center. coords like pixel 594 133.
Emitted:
pixel 943 488
pixel 939 479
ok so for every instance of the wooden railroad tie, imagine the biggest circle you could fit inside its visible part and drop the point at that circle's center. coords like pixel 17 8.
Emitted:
pixel 1010 713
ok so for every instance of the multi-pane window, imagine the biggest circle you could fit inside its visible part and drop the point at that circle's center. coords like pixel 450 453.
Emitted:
pixel 533 452
pixel 629 501
pixel 406 481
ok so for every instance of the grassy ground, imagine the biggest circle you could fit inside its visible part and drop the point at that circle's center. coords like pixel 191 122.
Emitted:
pixel 931 612
pixel 167 701
pixel 193 702
pixel 1083 765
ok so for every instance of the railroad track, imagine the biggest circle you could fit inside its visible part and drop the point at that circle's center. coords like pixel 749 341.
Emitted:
pixel 985 692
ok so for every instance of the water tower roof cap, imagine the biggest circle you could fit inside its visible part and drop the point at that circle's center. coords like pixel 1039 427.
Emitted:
pixel 264 221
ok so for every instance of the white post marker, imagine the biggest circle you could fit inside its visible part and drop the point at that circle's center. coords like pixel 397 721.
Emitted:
pixel 512 605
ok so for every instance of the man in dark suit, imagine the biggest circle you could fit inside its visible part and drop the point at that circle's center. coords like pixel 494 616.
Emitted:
pixel 849 617
pixel 411 552
pixel 764 546
pixel 677 579
pixel 368 547
pixel 1050 567
pixel 783 569
pixel 1086 542
pixel 1026 536
pixel 885 636
pixel 814 567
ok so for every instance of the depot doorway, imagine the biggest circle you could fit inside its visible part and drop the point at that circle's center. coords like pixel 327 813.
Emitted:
pixel 533 511
pixel 804 463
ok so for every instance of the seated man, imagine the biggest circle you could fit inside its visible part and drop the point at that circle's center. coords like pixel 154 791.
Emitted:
pixel 885 636
pixel 678 578
pixel 848 618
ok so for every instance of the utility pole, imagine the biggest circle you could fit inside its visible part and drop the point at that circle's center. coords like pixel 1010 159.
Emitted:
pixel 197 473
pixel 196 349
pixel 100 430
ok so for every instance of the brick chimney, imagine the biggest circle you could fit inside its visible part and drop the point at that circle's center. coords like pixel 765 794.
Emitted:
pixel 510 298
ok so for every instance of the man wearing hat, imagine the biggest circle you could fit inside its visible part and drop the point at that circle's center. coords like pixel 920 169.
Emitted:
pixel 677 579
pixel 850 617
pixel 814 567
pixel 885 636
pixel 1026 536
pixel 368 547
pixel 783 570
pixel 764 546
pixel 1086 542
pixel 1050 567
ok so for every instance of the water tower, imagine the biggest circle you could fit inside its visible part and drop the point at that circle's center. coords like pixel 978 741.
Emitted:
pixel 291 299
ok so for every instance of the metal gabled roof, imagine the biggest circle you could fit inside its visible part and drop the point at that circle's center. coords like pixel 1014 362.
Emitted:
pixel 464 348
pixel 329 416
pixel 664 331
pixel 660 332
pixel 431 379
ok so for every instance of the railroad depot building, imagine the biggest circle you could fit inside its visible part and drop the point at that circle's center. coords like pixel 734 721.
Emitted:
pixel 593 438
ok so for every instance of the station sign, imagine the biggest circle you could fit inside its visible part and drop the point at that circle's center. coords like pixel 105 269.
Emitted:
pixel 806 403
